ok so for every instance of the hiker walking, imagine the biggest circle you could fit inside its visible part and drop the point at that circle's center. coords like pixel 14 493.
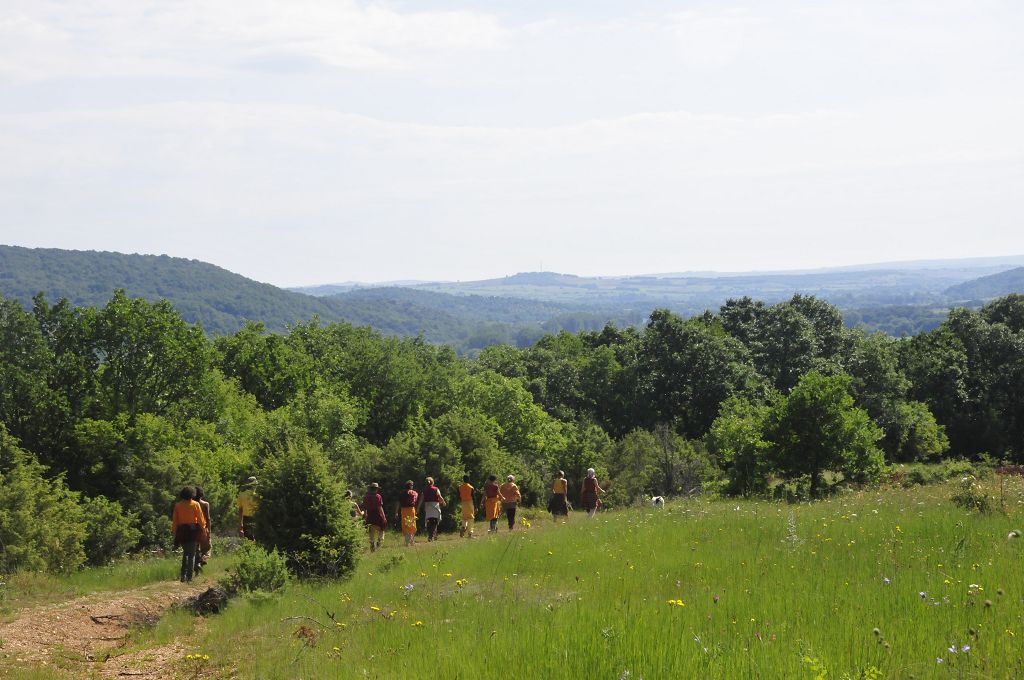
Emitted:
pixel 354 510
pixel 558 505
pixel 205 540
pixel 407 512
pixel 491 503
pixel 589 495
pixel 248 503
pixel 373 515
pixel 432 501
pixel 187 522
pixel 510 498
pixel 466 507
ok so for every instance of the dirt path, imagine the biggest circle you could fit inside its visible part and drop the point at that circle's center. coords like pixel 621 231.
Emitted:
pixel 83 634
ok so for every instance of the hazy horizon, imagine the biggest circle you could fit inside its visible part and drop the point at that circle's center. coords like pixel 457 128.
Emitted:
pixel 317 141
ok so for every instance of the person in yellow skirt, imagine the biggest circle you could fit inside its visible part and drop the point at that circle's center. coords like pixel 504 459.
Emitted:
pixel 467 506
pixel 491 503
pixel 407 504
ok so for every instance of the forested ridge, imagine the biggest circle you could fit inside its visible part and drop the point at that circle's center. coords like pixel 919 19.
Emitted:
pixel 514 310
pixel 106 411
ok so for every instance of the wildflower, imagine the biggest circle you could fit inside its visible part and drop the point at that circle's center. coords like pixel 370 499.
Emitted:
pixel 336 649
pixel 374 608
pixel 965 649
pixel 885 580
pixel 206 657
pixel 938 659
pixel 952 649
pixel 339 624
pixel 408 586
pixel 922 594
pixel 418 623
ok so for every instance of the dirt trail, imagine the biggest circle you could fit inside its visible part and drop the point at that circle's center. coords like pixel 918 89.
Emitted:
pixel 83 634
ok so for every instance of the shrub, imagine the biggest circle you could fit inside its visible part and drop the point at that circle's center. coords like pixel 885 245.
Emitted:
pixel 257 569
pixel 971 495
pixel 304 515
pixel 324 557
pixel 41 523
pixel 110 532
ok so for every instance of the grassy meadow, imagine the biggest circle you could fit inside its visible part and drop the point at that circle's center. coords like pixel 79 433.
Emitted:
pixel 882 584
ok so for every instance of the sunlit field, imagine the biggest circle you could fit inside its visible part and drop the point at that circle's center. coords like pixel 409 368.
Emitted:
pixel 893 584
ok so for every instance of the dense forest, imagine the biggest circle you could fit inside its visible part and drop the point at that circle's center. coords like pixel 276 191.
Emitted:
pixel 105 412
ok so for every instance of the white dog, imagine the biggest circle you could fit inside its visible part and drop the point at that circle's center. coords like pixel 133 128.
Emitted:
pixel 657 501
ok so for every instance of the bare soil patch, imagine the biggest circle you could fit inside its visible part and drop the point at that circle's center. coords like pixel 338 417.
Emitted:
pixel 85 633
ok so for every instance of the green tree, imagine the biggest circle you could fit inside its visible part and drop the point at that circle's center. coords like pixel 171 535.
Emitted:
pixel 151 358
pixel 738 438
pixel 817 428
pixel 687 369
pixel 303 514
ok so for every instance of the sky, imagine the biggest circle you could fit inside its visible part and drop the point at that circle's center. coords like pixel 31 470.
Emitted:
pixel 300 142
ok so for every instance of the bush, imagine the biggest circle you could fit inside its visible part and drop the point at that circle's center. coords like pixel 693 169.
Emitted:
pixel 257 569
pixel 971 495
pixel 41 523
pixel 920 474
pixel 304 515
pixel 110 532
pixel 324 557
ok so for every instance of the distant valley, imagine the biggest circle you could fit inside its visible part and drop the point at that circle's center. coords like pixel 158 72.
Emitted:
pixel 897 298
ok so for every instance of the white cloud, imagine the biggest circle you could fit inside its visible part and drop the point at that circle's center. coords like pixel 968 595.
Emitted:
pixel 461 142
pixel 92 38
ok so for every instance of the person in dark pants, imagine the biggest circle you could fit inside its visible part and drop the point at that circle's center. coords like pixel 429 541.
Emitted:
pixel 510 498
pixel 187 524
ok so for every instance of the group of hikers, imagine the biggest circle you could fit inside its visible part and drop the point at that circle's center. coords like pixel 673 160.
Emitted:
pixel 495 499
pixel 191 525
pixel 190 518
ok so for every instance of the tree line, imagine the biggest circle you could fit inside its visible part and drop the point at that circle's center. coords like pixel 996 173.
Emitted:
pixel 105 412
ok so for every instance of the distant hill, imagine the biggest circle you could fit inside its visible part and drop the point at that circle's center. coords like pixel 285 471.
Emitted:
pixel 222 301
pixel 988 287
pixel 515 309
pixel 215 297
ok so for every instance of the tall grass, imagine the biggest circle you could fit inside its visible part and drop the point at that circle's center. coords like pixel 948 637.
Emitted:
pixel 874 584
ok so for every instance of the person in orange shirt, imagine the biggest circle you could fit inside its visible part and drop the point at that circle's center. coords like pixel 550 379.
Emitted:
pixel 510 498
pixel 187 525
pixel 466 505
pixel 491 503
